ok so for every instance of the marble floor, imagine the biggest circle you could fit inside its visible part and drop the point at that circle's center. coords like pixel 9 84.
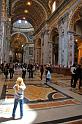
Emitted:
pixel 52 103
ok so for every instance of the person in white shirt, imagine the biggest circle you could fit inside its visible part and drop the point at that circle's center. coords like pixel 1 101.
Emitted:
pixel 48 76
pixel 19 88
pixel 73 75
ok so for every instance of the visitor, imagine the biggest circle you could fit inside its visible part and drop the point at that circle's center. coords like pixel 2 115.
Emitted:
pixel 73 75
pixel 48 76
pixel 41 71
pixel 19 88
pixel 23 72
pixel 6 72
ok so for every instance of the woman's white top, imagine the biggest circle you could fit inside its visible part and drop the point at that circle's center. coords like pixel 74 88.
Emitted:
pixel 48 75
pixel 19 94
pixel 72 70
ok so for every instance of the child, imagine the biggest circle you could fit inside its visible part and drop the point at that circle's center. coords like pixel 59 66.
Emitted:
pixel 19 88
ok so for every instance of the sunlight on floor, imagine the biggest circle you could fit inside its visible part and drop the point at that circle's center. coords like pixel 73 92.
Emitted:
pixel 6 112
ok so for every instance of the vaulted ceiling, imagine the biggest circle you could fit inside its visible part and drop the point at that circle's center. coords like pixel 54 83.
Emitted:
pixel 37 13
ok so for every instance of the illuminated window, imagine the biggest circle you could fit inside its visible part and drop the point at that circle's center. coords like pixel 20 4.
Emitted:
pixel 54 6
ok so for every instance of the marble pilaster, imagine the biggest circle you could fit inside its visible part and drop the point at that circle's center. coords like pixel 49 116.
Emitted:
pixel 27 57
pixel 50 52
pixel 70 49
pixel 5 29
pixel 42 47
pixel 2 30
pixel 46 48
pixel 37 52
pixel 63 43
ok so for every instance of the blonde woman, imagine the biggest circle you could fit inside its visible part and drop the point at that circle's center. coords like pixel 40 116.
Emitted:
pixel 19 88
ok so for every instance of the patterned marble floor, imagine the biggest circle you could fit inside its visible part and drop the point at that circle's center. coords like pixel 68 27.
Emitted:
pixel 40 96
pixel 64 81
pixel 50 103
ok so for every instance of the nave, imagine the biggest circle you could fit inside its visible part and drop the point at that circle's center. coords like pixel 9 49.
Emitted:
pixel 50 103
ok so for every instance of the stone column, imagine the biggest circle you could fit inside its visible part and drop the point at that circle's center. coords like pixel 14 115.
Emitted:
pixel 2 42
pixel 63 42
pixel 50 52
pixel 1 50
pixel 0 10
pixel 5 28
pixel 26 54
pixel 42 45
pixel 70 49
pixel 7 38
pixel 3 31
pixel 35 51
pixel 46 48
pixel 62 48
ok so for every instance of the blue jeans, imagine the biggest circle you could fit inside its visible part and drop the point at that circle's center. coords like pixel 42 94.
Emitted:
pixel 16 101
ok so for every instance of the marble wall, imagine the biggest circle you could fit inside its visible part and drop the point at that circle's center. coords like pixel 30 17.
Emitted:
pixel 62 19
pixel 28 53
pixel 4 44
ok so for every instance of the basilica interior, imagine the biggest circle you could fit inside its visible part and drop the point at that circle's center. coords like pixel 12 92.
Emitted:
pixel 42 32
pixel 50 30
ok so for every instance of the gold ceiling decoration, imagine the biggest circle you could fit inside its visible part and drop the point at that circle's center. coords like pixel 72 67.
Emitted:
pixel 17 40
pixel 29 2
pixel 34 11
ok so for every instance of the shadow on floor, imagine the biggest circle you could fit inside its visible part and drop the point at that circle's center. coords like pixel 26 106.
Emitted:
pixel 3 94
pixel 3 119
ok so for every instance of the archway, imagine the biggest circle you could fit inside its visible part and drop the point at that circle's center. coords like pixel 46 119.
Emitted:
pixel 75 28
pixel 38 51
pixel 18 40
pixel 78 38
pixel 54 38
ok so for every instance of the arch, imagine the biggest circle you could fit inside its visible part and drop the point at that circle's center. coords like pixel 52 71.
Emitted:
pixel 74 26
pixel 18 40
pixel 34 1
pixel 38 51
pixel 38 43
pixel 54 37
pixel 30 20
pixel 37 12
pixel 21 34
pixel 71 16
pixel 54 30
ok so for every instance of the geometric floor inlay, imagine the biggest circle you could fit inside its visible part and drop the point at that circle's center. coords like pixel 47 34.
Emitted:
pixel 43 96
